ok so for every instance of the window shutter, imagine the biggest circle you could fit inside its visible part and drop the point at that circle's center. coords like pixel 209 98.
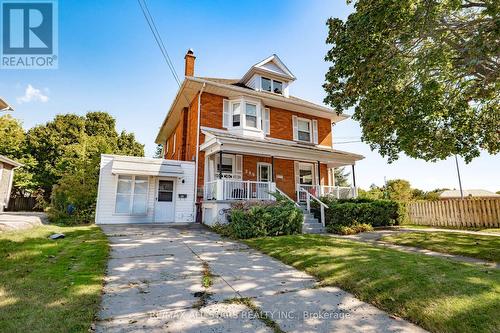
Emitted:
pixel 239 165
pixel 315 131
pixel 267 121
pixel 226 114
pixel 297 178
pixel 295 128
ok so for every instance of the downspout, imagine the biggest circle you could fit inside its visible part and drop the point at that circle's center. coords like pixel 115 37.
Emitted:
pixel 197 152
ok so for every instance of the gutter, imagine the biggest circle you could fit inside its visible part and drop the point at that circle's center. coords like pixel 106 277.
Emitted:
pixel 197 152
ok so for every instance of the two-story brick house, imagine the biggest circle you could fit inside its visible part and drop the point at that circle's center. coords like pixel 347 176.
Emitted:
pixel 250 136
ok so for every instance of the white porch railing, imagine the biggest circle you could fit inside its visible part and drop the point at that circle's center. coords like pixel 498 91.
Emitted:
pixel 310 197
pixel 232 189
pixel 338 192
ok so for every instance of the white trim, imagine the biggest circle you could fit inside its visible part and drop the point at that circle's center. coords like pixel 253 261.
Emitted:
pixel 315 131
pixel 310 122
pixel 130 212
pixel 270 171
pixel 174 197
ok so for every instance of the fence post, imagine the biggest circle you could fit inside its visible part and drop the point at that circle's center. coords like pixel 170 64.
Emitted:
pixel 219 194
pixel 248 189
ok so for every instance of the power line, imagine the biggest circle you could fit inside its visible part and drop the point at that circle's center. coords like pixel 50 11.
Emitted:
pixel 158 39
pixel 341 142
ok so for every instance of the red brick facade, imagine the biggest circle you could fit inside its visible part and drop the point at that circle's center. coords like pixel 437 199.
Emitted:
pixel 211 116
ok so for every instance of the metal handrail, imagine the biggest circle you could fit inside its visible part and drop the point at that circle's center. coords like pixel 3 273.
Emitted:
pixel 322 205
pixel 286 196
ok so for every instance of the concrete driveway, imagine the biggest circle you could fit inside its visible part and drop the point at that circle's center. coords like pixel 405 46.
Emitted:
pixel 154 284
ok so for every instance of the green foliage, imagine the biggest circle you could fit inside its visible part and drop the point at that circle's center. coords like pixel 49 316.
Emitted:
pixel 345 230
pixel 341 177
pixel 259 219
pixel 399 190
pixel 351 213
pixel 422 76
pixel 11 137
pixel 61 160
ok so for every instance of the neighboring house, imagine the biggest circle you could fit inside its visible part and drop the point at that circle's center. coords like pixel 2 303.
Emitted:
pixel 250 136
pixel 7 167
pixel 455 194
pixel 4 106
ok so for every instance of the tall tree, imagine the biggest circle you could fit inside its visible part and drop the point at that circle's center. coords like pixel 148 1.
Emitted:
pixel 422 75
pixel 341 177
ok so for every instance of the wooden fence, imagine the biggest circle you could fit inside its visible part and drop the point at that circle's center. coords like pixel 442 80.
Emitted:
pixel 480 212
pixel 22 204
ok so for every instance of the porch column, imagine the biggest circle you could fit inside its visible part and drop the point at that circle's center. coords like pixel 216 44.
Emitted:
pixel 319 179
pixel 220 164
pixel 353 176
pixel 272 169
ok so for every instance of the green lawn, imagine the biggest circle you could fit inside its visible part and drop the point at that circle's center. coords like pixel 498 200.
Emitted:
pixel 476 246
pixel 51 285
pixel 439 295
pixel 417 226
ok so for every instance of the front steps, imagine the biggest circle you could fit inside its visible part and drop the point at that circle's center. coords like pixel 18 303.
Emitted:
pixel 311 224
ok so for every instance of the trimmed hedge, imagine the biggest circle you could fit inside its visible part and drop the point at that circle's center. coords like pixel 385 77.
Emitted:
pixel 260 219
pixel 359 211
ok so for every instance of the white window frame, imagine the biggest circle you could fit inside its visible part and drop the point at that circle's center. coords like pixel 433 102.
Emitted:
pixel 272 85
pixel 269 165
pixel 166 148
pixel 243 102
pixel 132 195
pixel 310 129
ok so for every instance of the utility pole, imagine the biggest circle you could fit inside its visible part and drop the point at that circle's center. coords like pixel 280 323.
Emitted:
pixel 459 180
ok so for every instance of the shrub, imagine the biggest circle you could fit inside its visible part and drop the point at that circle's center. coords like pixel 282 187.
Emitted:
pixel 361 211
pixel 345 230
pixel 259 219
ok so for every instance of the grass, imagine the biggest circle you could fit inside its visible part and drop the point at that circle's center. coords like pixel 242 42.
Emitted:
pixel 418 226
pixel 51 285
pixel 437 294
pixel 475 246
pixel 262 316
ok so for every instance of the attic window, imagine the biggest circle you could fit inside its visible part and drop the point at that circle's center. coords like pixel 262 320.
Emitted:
pixel 271 85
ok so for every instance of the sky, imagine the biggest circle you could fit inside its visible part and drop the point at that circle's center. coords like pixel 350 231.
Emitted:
pixel 109 61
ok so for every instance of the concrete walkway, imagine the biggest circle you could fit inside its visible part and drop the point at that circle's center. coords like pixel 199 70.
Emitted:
pixel 374 238
pixel 11 221
pixel 154 279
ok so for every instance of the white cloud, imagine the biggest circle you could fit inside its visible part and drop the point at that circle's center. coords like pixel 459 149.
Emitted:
pixel 32 95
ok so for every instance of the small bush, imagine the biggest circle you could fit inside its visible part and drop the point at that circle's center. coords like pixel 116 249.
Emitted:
pixel 260 219
pixel 361 211
pixel 345 230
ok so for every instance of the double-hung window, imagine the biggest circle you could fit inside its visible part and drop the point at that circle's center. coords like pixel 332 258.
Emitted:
pixel 304 130
pixel 236 114
pixel 251 115
pixel 131 195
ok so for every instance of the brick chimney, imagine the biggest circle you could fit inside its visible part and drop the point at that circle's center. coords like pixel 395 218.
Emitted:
pixel 189 63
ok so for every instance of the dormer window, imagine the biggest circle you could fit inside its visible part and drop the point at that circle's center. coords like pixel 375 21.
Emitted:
pixel 271 85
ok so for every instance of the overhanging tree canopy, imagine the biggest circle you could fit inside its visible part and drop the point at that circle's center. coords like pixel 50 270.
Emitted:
pixel 422 75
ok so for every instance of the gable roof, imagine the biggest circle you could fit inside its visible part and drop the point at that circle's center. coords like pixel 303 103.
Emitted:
pixel 271 65
pixel 4 106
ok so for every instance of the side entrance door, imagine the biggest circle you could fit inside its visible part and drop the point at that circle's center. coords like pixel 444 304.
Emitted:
pixel 164 203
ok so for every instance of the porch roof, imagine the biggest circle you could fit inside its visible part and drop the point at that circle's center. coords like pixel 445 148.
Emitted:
pixel 128 165
pixel 217 140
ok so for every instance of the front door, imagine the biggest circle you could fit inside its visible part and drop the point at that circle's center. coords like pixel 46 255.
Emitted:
pixel 264 172
pixel 305 179
pixel 164 205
